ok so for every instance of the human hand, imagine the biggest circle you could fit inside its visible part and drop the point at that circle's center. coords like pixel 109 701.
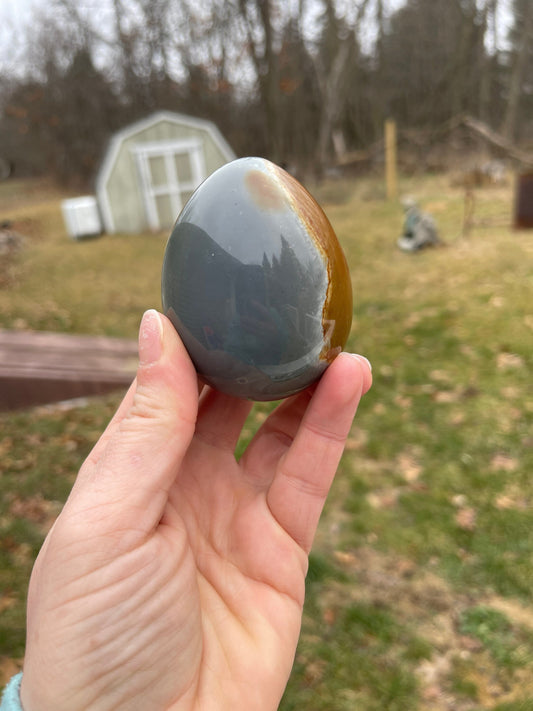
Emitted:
pixel 174 577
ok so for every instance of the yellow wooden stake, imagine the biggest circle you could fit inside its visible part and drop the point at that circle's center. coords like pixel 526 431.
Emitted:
pixel 391 160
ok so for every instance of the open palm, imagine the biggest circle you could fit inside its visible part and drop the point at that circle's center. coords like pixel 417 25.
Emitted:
pixel 174 577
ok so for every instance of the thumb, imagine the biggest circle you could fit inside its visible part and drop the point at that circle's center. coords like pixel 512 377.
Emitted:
pixel 126 479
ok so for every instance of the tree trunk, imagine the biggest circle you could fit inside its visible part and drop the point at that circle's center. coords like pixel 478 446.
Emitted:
pixel 331 102
pixel 509 125
pixel 266 64
pixel 331 86
pixel 485 62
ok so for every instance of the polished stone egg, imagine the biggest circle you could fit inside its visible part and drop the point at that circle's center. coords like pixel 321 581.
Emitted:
pixel 256 283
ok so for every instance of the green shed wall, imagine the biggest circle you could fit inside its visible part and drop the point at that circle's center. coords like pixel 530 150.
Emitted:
pixel 123 186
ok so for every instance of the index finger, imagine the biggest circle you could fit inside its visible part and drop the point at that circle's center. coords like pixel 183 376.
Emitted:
pixel 306 471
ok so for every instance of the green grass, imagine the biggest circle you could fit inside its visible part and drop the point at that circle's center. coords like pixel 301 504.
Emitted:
pixel 96 286
pixel 40 452
pixel 419 590
pixel 496 634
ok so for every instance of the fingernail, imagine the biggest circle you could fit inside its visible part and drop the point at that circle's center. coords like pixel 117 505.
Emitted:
pixel 150 338
pixel 361 357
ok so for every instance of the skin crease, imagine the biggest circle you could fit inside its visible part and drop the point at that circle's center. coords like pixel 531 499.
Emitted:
pixel 174 577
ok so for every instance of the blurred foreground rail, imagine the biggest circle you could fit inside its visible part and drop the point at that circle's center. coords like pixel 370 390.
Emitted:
pixel 37 368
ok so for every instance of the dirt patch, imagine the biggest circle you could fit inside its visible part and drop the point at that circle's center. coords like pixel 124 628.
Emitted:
pixel 516 612
pixel 431 608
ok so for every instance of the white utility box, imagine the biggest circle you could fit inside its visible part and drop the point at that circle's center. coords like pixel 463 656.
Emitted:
pixel 82 217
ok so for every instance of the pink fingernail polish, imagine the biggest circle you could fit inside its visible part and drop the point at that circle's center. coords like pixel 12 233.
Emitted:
pixel 361 357
pixel 150 338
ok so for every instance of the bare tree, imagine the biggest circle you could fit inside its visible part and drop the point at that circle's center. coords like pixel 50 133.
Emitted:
pixel 487 58
pixel 263 43
pixel 59 122
pixel 336 66
pixel 524 42
pixel 280 79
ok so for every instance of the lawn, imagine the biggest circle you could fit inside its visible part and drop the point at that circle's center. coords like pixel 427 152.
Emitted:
pixel 419 589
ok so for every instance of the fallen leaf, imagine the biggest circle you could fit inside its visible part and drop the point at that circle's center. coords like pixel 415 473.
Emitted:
pixel 413 319
pixel 467 350
pixel 384 499
pixel 329 616
pixel 459 500
pixel 314 671
pixel 518 613
pixel 504 502
pixel 6 601
pixel 471 644
pixel 405 567
pixel 23 554
pixel 345 558
pixel 510 392
pixel 19 324
pixel 357 439
pixel 512 498
pixel 432 692
pixel 349 695
pixel 5 445
pixel 35 509
pixel 466 519
pixel 432 670
pixel 504 462
pixel 408 466
pixel 457 418
pixel 403 401
pixel 445 396
pixel 441 375
pixel 509 360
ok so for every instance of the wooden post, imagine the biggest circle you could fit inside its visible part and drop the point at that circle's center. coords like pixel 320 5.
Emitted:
pixel 391 160
pixel 523 217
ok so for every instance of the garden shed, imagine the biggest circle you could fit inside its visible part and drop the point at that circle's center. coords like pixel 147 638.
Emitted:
pixel 151 168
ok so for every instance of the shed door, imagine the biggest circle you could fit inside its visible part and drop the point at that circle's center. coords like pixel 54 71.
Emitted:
pixel 169 174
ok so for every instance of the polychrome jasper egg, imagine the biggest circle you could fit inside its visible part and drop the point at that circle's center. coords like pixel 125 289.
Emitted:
pixel 256 283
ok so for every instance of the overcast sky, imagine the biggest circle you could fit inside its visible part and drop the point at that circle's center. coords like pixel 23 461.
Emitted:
pixel 16 15
pixel 14 12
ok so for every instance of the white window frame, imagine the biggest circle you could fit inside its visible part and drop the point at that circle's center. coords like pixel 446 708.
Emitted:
pixel 173 187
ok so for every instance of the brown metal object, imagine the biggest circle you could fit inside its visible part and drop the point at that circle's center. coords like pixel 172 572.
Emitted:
pixel 37 368
pixel 524 201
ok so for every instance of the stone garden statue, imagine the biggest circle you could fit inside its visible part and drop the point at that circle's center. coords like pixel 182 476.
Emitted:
pixel 419 228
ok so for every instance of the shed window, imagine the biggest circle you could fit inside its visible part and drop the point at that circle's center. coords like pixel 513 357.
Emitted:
pixel 184 167
pixel 169 172
pixel 158 173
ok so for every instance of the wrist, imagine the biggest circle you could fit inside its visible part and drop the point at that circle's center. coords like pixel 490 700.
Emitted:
pixel 11 696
